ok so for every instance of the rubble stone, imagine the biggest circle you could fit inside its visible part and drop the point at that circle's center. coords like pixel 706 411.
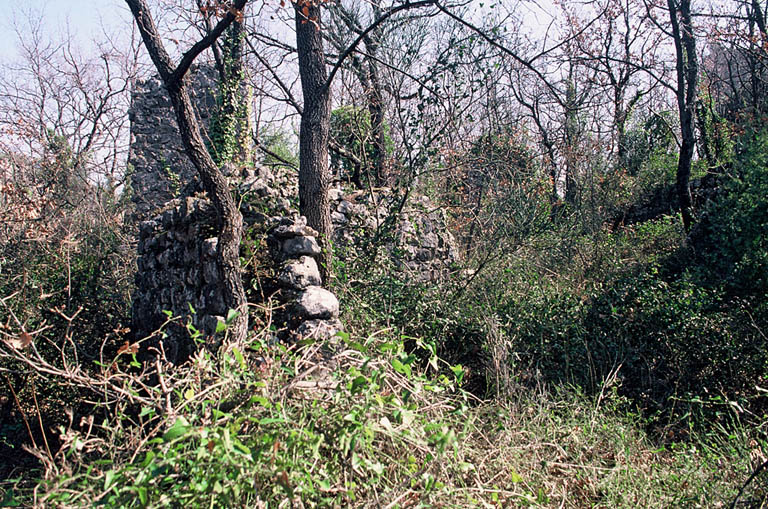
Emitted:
pixel 317 302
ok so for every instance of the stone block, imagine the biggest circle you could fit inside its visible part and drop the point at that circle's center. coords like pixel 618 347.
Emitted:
pixel 339 218
pixel 210 246
pixel 430 241
pixel 300 246
pixel 297 228
pixel 317 302
pixel 344 207
pixel 299 274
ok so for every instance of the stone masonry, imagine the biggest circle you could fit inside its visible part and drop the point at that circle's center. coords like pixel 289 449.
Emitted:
pixel 178 275
pixel 178 280
pixel 161 169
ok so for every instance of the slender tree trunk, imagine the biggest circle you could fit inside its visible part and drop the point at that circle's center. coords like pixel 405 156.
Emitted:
pixel 687 83
pixel 376 104
pixel 228 214
pixel 756 54
pixel 366 69
pixel 230 221
pixel 571 142
pixel 620 126
pixel 314 175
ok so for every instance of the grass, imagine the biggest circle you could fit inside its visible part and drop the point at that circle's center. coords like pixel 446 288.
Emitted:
pixel 566 451
pixel 371 426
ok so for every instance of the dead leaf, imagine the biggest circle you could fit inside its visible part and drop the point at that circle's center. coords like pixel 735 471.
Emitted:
pixel 128 348
pixel 22 342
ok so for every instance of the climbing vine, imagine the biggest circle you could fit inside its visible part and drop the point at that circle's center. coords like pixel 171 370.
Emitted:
pixel 230 123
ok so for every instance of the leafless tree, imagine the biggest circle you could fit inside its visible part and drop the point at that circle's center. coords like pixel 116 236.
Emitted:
pixel 686 93
pixel 63 131
pixel 622 49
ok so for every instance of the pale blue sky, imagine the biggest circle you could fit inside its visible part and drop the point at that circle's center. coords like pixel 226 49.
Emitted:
pixel 84 18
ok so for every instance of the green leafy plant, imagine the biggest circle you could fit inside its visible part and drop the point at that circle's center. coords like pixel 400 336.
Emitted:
pixel 351 128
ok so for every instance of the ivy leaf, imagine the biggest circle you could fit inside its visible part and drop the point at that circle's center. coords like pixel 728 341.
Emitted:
pixel 179 428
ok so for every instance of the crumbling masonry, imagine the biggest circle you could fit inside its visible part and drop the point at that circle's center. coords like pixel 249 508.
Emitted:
pixel 177 274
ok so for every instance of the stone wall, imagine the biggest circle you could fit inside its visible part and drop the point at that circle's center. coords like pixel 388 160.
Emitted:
pixel 177 302
pixel 418 242
pixel 161 169
pixel 178 274
pixel 179 277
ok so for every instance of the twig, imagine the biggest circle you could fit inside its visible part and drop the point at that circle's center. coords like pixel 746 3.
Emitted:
pixel 40 421
pixel 163 385
pixel 23 415
pixel 751 477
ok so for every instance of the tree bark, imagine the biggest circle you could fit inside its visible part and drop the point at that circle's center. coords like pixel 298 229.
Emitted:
pixel 687 83
pixel 314 176
pixel 230 221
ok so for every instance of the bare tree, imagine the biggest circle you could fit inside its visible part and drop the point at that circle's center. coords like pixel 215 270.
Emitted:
pixel 622 49
pixel 63 131
pixel 316 80
pixel 686 64
pixel 366 66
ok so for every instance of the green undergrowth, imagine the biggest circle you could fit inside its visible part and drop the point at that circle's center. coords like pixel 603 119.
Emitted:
pixel 583 367
pixel 673 324
pixel 369 426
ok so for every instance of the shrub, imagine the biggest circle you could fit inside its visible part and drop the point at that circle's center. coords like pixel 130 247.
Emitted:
pixel 351 128
pixel 732 240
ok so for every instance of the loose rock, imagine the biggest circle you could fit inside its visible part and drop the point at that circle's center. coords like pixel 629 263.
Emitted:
pixel 317 302
pixel 300 274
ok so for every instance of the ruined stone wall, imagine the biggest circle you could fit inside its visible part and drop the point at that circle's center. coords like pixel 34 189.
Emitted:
pixel 663 200
pixel 178 283
pixel 178 272
pixel 418 242
pixel 160 169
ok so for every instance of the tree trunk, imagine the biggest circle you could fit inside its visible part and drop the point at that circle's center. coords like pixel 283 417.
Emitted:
pixel 620 125
pixel 367 72
pixel 314 176
pixel 706 125
pixel 572 139
pixel 230 130
pixel 376 103
pixel 230 221
pixel 687 83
